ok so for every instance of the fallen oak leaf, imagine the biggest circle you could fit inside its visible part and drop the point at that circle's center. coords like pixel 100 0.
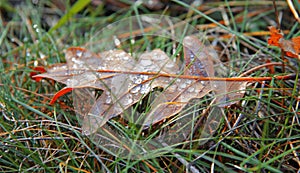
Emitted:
pixel 291 48
pixel 125 81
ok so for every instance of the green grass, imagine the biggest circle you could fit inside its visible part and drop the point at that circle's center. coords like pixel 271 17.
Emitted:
pixel 260 132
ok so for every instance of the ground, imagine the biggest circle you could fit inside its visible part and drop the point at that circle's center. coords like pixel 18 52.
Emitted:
pixel 258 133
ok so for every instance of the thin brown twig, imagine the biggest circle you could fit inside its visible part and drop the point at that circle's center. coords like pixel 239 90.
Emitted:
pixel 200 78
pixel 276 14
pixel 260 66
pixel 249 79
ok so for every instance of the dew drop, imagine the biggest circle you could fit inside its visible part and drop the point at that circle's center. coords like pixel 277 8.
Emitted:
pixel 191 89
pixel 99 67
pixel 108 100
pixel 79 53
pixel 117 41
pixel 125 58
pixel 138 81
pixel 71 83
pixel 129 99
pixel 188 82
pixel 77 63
pixel 74 66
pixel 145 89
pixel 25 39
pixel 192 57
pixel 132 41
pixel 183 85
pixel 28 53
pixel 135 89
pixel 144 77
pixel 42 56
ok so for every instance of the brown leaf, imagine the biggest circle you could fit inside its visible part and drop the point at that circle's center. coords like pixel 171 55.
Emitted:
pixel 291 48
pixel 125 81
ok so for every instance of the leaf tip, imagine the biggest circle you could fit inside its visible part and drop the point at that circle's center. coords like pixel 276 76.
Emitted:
pixel 36 70
pixel 59 94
